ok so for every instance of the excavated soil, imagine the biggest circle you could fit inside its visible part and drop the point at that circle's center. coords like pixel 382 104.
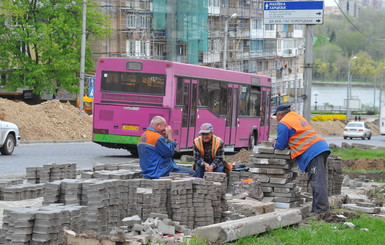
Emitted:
pixel 51 120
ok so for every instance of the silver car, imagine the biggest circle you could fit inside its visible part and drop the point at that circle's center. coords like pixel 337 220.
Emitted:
pixel 9 137
pixel 357 130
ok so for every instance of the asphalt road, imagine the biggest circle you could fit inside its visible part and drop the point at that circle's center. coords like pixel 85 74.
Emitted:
pixel 86 154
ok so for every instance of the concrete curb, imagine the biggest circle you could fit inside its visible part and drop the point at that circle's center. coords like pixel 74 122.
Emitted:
pixel 235 229
pixel 52 141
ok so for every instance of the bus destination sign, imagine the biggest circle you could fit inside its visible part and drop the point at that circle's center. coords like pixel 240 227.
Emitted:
pixel 297 13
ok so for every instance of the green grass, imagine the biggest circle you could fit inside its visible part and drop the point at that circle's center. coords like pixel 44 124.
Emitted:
pixel 353 154
pixel 364 171
pixel 319 232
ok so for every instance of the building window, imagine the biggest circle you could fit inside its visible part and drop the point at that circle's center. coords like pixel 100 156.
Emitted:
pixel 136 48
pixel 269 27
pixel 131 21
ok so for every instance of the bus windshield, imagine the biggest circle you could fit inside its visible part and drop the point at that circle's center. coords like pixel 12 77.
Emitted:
pixel 128 82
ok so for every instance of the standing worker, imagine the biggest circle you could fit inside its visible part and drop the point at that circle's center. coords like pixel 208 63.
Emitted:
pixel 208 152
pixel 308 148
pixel 156 150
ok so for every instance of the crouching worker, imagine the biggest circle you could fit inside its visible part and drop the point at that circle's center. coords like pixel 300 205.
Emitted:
pixel 208 152
pixel 156 150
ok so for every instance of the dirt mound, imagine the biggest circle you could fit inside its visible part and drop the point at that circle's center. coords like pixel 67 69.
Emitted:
pixel 241 157
pixel 51 120
pixel 329 128
pixel 364 164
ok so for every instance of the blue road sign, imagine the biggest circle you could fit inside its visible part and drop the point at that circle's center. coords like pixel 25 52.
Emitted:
pixel 306 12
pixel 91 92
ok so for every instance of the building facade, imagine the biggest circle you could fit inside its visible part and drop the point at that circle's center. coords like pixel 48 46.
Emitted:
pixel 194 32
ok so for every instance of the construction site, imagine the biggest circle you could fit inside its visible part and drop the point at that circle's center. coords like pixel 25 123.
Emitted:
pixel 228 34
pixel 112 204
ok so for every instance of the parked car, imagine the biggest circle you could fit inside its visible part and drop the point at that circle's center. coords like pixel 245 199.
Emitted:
pixel 357 130
pixel 9 137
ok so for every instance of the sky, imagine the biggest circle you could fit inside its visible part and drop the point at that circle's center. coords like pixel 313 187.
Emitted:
pixel 330 3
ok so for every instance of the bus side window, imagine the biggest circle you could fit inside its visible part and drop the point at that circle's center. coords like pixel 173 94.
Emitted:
pixel 203 93
pixel 255 102
pixel 213 94
pixel 179 92
pixel 244 98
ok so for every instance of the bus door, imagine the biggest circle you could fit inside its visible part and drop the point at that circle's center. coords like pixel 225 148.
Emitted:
pixel 232 114
pixel 189 112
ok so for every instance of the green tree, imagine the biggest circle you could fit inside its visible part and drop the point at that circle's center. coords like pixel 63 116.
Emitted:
pixel 41 39
pixel 363 65
pixel 321 68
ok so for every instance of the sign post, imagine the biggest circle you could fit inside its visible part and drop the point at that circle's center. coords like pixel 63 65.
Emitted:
pixel 296 13
pixel 307 13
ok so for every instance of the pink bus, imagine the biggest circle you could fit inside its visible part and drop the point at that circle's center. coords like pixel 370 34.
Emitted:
pixel 128 93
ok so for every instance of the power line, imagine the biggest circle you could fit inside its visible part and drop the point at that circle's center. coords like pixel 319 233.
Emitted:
pixel 355 27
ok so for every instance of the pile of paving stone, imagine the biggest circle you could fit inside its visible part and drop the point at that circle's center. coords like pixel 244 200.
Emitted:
pixel 41 225
pixel 275 170
pixel 8 182
pixel 335 177
pixel 51 172
pixel 191 201
pixel 23 191
pixel 129 170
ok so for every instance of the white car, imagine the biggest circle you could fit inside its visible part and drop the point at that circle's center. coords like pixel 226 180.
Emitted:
pixel 9 137
pixel 357 130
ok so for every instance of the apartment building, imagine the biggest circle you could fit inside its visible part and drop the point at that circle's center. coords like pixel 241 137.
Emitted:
pixel 194 32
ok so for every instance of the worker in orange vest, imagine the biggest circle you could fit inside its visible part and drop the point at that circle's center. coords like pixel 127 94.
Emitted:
pixel 208 152
pixel 308 148
pixel 156 149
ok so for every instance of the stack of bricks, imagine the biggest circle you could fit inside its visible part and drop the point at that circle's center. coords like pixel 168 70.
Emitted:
pixel 202 200
pixel 334 177
pixel 144 193
pixel 8 182
pixel 41 225
pixel 129 170
pixel 275 170
pixel 51 172
pixel 106 204
pixel 220 186
pixel 181 200
pixel 191 201
pixel 22 192
pixel 160 200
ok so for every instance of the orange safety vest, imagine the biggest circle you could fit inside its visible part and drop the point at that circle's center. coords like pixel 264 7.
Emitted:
pixel 215 144
pixel 304 136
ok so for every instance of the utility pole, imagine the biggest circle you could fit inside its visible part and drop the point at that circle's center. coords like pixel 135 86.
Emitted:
pixel 82 59
pixel 233 16
pixel 308 66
